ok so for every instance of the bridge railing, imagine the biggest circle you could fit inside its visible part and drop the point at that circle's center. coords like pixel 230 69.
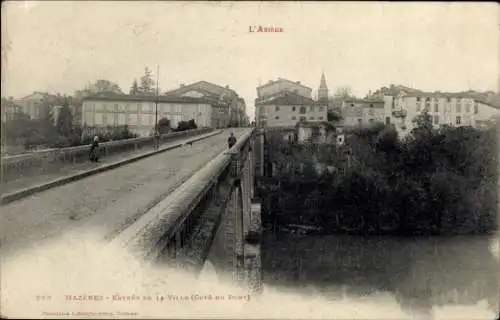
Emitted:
pixel 164 231
pixel 45 160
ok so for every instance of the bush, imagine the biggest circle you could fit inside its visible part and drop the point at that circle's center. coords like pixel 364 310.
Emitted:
pixel 186 125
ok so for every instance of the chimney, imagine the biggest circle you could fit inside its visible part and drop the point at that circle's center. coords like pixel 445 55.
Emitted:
pixel 182 85
pixel 227 87
pixel 297 82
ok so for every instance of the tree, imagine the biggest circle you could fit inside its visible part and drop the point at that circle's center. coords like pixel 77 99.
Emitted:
pixel 146 86
pixel 64 122
pixel 163 125
pixel 342 93
pixel 99 86
pixel 134 89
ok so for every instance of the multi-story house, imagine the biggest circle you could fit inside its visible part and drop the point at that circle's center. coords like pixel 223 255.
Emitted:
pixel 285 109
pixel 229 108
pixel 362 111
pixel 402 105
pixel 9 109
pixel 36 104
pixel 139 112
pixel 273 87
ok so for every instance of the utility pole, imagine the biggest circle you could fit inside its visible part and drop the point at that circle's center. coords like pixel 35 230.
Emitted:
pixel 157 133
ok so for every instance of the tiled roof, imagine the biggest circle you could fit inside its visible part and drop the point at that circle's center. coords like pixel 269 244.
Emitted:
pixel 204 85
pixel 163 98
pixel 491 103
pixel 286 98
pixel 282 80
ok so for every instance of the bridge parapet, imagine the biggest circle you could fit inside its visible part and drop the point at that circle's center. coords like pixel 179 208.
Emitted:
pixel 181 229
pixel 45 160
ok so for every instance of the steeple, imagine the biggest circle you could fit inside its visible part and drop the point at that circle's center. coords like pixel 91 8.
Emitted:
pixel 323 88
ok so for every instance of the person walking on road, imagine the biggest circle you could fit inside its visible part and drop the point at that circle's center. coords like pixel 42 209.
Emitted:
pixel 231 141
pixel 93 150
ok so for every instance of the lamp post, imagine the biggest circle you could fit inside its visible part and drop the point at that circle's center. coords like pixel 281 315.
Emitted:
pixel 157 134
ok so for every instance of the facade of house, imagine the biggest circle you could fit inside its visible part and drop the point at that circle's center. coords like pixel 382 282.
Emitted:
pixel 317 132
pixel 36 104
pixel 229 108
pixel 362 111
pixel 9 109
pixel 139 112
pixel 281 85
pixel 402 105
pixel 285 109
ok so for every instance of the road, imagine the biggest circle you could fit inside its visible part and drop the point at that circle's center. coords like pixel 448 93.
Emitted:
pixel 107 202
pixel 67 169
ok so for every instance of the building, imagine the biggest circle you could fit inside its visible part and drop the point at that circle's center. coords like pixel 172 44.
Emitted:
pixel 486 110
pixel 285 109
pixel 362 111
pixel 36 104
pixel 402 105
pixel 229 108
pixel 317 132
pixel 139 112
pixel 273 87
pixel 9 109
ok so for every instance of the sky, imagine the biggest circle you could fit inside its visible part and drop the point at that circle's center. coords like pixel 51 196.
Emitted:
pixel 62 46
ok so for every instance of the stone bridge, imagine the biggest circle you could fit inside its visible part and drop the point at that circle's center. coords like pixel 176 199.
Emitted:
pixel 192 206
pixel 212 219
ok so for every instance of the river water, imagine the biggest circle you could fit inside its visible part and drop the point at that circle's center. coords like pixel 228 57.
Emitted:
pixel 422 278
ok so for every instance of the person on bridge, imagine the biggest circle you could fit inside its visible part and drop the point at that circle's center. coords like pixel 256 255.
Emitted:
pixel 93 150
pixel 231 141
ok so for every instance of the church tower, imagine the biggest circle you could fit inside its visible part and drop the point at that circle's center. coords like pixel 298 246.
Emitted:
pixel 323 89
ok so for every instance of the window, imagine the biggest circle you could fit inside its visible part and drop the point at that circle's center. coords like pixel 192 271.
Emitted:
pixel 277 109
pixel 320 118
pixel 360 121
pixel 387 120
pixel 467 107
pixel 428 99
pixel 341 171
pixel 436 119
pixel 293 109
pixel 418 107
pixel 436 107
pixel 311 118
pixel 321 109
pixel 458 108
pixel 476 108
pixel 448 108
pixel 458 120
pixel 352 105
pixel 294 118
pixel 302 110
pixel 277 117
pixel 418 99
pixel 371 121
pixel 371 105
pixel 302 118
pixel 139 107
